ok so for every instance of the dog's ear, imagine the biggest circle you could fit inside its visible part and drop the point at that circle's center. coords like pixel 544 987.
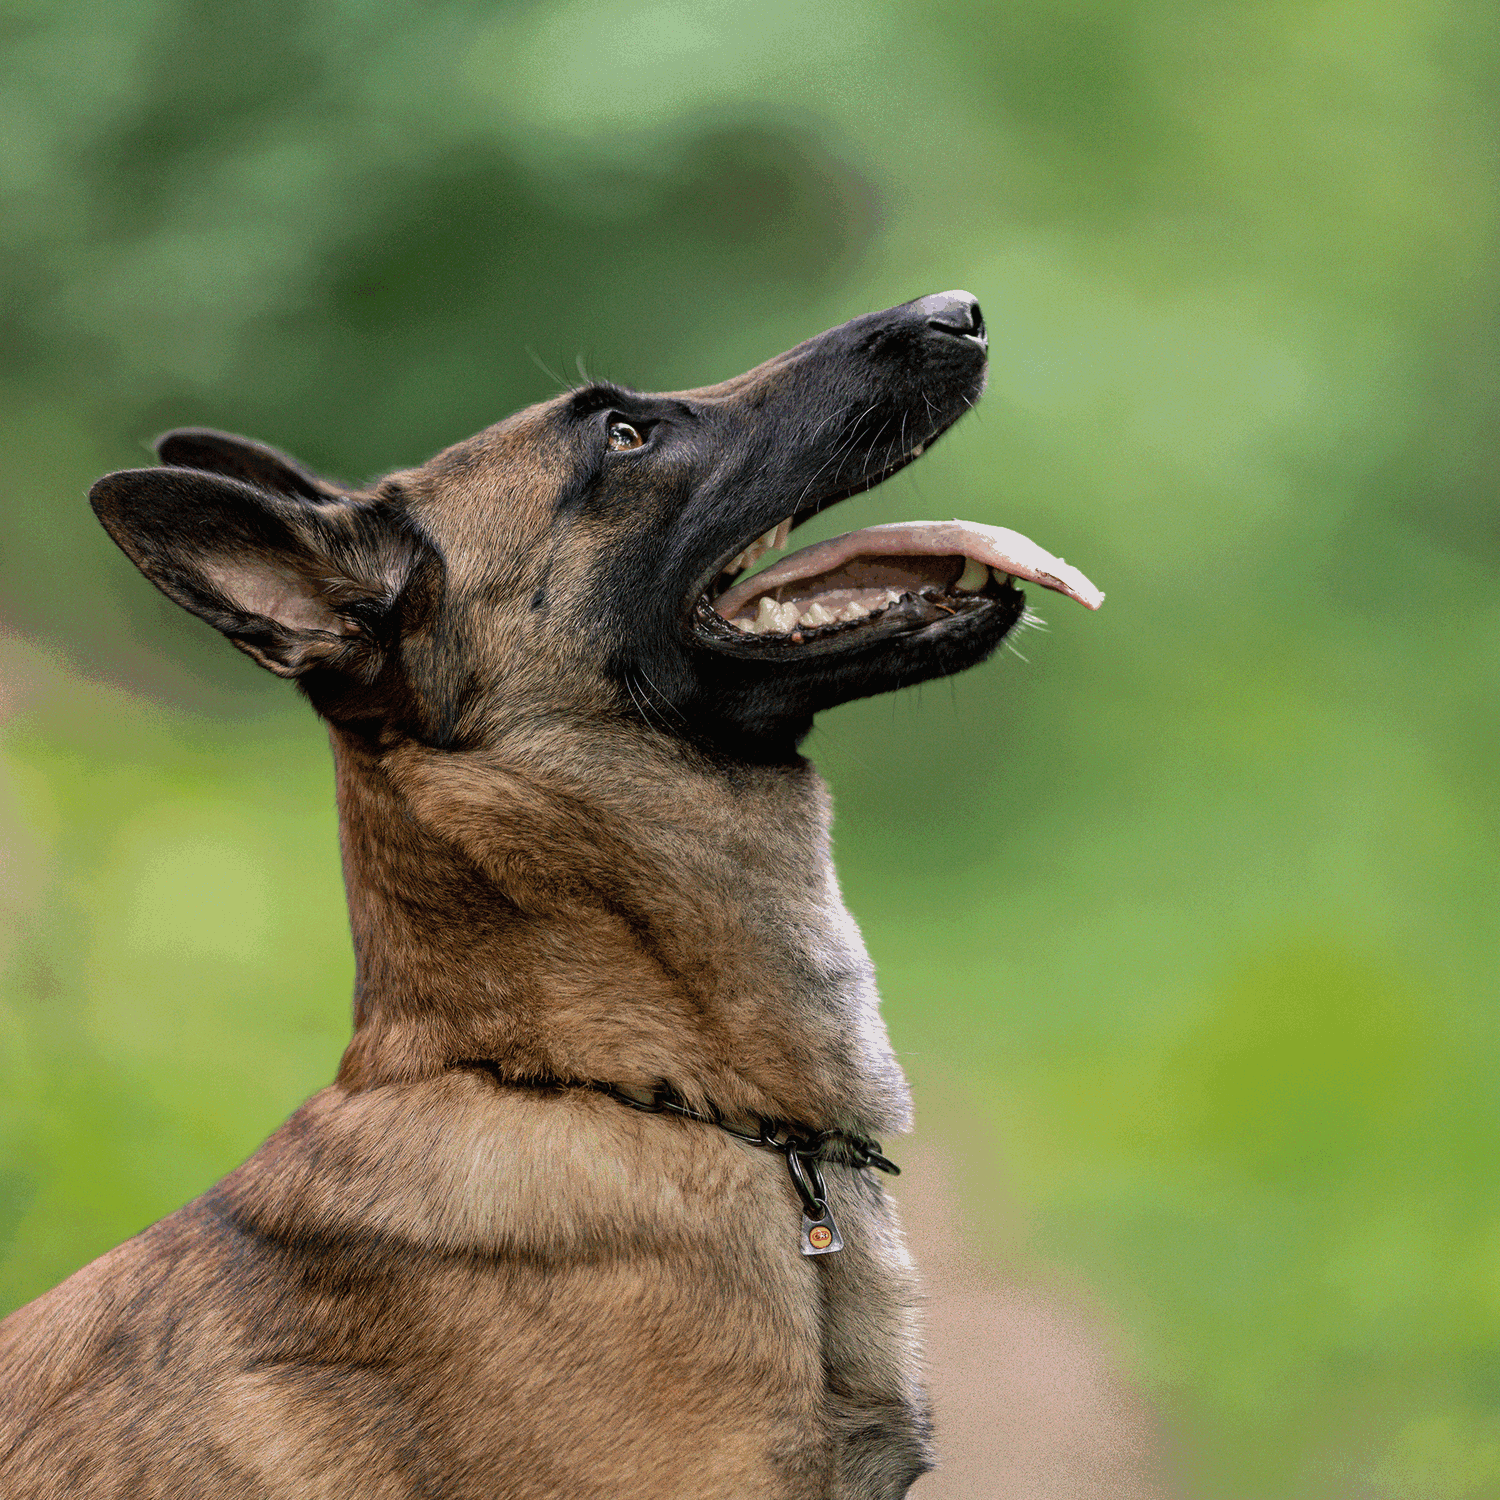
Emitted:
pixel 242 458
pixel 295 581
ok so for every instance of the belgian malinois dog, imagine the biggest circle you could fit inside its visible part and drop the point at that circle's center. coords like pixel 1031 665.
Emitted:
pixel 593 1206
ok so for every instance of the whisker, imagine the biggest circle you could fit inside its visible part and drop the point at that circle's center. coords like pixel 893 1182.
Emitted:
pixel 671 707
pixel 561 382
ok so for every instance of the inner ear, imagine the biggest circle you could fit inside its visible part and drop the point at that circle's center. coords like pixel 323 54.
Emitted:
pixel 276 592
pixel 243 458
pixel 297 586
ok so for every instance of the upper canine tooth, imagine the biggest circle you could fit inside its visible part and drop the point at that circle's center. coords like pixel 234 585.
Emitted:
pixel 782 532
pixel 973 578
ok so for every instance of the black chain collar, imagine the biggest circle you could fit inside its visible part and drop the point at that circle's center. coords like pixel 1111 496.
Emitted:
pixel 802 1149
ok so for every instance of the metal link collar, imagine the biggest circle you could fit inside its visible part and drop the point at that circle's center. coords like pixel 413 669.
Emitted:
pixel 803 1150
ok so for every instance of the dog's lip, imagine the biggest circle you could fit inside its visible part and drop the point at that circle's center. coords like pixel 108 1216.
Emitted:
pixel 808 509
pixel 996 546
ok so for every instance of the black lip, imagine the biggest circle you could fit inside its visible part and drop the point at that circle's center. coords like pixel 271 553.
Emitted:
pixel 703 593
pixel 913 615
pixel 708 628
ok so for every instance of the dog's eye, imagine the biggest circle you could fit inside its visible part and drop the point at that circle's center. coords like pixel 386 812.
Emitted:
pixel 622 435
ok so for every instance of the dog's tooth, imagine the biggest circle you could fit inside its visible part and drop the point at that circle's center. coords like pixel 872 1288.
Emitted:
pixel 815 615
pixel 973 578
pixel 782 532
pixel 772 618
pixel 741 623
pixel 852 611
pixel 736 564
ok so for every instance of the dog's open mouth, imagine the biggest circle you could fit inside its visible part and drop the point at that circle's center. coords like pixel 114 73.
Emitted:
pixel 907 574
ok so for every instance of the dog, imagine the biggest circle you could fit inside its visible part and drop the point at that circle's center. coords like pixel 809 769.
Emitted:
pixel 594 1205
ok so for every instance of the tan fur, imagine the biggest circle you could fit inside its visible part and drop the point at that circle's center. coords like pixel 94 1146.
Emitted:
pixel 433 1283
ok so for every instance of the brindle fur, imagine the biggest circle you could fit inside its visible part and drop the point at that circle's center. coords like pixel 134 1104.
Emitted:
pixel 579 844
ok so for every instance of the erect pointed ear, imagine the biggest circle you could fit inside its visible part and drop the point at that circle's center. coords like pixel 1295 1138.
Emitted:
pixel 296 583
pixel 242 458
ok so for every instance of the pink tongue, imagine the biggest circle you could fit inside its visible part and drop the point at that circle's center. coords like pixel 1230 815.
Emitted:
pixel 999 548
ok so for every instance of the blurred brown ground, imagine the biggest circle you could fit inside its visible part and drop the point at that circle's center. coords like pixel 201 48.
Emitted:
pixel 1031 1401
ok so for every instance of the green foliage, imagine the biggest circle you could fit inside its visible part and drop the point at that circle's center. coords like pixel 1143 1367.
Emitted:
pixel 1192 909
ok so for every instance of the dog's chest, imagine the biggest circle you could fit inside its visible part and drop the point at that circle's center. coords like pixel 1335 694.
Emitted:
pixel 741 1367
pixel 875 1401
pixel 676 1374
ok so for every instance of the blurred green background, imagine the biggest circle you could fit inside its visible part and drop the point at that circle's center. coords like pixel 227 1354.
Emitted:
pixel 1186 922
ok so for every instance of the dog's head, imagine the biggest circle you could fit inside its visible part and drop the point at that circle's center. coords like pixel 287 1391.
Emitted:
pixel 564 703
pixel 591 554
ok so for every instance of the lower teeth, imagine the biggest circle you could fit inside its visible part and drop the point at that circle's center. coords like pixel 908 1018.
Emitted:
pixel 773 617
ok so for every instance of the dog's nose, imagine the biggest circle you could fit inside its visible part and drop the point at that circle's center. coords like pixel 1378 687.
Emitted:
pixel 956 313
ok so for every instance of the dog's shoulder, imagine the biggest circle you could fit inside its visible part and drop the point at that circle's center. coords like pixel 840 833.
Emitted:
pixel 110 1355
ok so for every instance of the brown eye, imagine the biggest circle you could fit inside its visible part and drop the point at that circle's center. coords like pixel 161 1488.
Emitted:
pixel 623 435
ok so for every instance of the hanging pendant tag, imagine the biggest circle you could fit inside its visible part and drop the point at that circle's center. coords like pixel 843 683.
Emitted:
pixel 821 1236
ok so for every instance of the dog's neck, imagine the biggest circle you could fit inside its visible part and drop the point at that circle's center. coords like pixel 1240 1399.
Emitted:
pixel 640 917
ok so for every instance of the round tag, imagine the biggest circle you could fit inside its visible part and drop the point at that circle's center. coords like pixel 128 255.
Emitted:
pixel 820 1236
